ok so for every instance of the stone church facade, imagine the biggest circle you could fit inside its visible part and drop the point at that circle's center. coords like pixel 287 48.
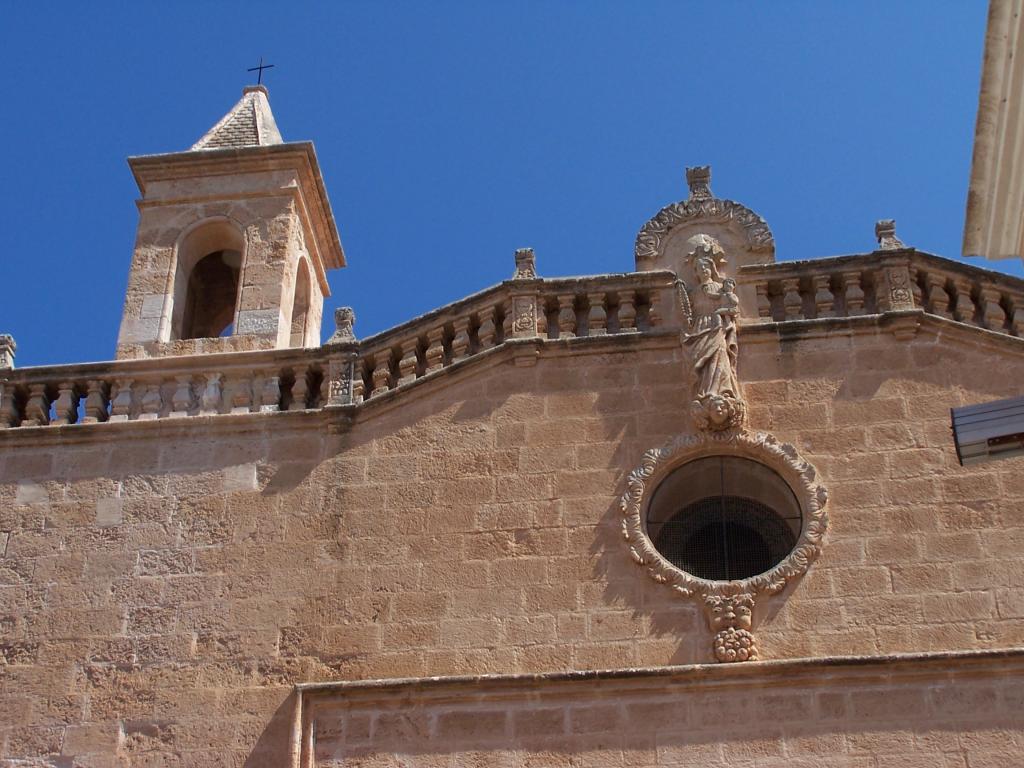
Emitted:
pixel 704 512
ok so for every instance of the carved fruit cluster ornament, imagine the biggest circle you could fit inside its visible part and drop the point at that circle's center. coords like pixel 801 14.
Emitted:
pixel 731 618
pixel 728 605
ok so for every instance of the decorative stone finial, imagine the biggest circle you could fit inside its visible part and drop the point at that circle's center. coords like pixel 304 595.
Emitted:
pixel 885 231
pixel 344 321
pixel 526 264
pixel 7 350
pixel 698 179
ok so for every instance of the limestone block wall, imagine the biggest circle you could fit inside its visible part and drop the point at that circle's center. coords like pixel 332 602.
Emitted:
pixel 164 587
pixel 958 711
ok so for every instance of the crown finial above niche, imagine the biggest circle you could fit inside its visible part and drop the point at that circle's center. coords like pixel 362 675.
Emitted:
pixel 662 242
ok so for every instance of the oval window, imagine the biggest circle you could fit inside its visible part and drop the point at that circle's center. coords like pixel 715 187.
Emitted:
pixel 724 518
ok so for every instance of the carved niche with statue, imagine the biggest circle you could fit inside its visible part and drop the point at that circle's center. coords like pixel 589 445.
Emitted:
pixel 681 516
pixel 710 307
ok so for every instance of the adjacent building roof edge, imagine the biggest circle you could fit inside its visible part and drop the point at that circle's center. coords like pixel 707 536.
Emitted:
pixel 994 225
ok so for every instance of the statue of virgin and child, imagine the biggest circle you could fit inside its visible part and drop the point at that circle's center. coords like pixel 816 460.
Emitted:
pixel 709 315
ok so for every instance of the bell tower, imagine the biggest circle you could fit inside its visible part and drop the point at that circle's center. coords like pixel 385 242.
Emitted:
pixel 234 240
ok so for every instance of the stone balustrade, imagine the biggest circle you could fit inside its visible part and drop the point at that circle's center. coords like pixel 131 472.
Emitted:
pixel 341 372
pixel 524 310
pixel 520 309
pixel 144 390
pixel 871 284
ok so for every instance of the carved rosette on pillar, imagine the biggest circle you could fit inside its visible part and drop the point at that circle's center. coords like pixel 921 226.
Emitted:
pixel 522 314
pixel 704 240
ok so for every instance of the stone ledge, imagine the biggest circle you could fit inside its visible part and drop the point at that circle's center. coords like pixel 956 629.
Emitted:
pixel 814 671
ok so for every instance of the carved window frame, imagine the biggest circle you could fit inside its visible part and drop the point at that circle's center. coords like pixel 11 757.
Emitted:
pixel 761 447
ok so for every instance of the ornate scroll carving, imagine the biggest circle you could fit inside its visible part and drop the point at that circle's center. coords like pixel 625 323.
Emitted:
pixel 900 296
pixel 728 605
pixel 701 205
pixel 524 312
pixel 339 380
pixel 710 310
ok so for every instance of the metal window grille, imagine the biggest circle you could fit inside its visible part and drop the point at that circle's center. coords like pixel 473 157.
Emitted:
pixel 726 536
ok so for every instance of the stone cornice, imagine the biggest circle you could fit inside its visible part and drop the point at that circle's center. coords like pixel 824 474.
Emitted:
pixel 872 258
pixel 815 672
pixel 296 156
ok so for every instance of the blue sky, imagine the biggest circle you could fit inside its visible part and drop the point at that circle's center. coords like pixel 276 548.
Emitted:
pixel 451 133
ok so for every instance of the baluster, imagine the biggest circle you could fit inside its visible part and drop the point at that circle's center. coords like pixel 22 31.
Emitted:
pixel 358 380
pixel 915 286
pixel 566 316
pixel 8 407
pixel 963 309
pixel 240 398
pixel 627 312
pixel 824 301
pixel 506 320
pixel 1017 317
pixel 150 403
pixel 652 315
pixel 300 390
pixel 853 294
pixel 95 402
pixel 547 317
pixel 995 317
pixel 407 362
pixel 435 350
pixel 121 401
pixel 486 332
pixel 211 398
pixel 938 297
pixel 37 409
pixel 882 301
pixel 791 301
pixel 381 372
pixel 764 304
pixel 460 341
pixel 597 317
pixel 181 400
pixel 323 393
pixel 66 406
pixel 270 394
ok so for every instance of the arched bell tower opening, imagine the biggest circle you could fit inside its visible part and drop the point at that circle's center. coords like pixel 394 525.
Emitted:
pixel 206 282
pixel 301 307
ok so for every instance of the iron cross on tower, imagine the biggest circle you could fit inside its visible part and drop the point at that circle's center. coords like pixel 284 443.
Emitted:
pixel 259 70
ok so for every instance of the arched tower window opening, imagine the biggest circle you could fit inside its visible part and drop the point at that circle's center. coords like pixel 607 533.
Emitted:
pixel 211 294
pixel 300 307
pixel 206 282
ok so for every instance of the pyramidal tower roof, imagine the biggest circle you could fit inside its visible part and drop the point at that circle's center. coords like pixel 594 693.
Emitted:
pixel 250 123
